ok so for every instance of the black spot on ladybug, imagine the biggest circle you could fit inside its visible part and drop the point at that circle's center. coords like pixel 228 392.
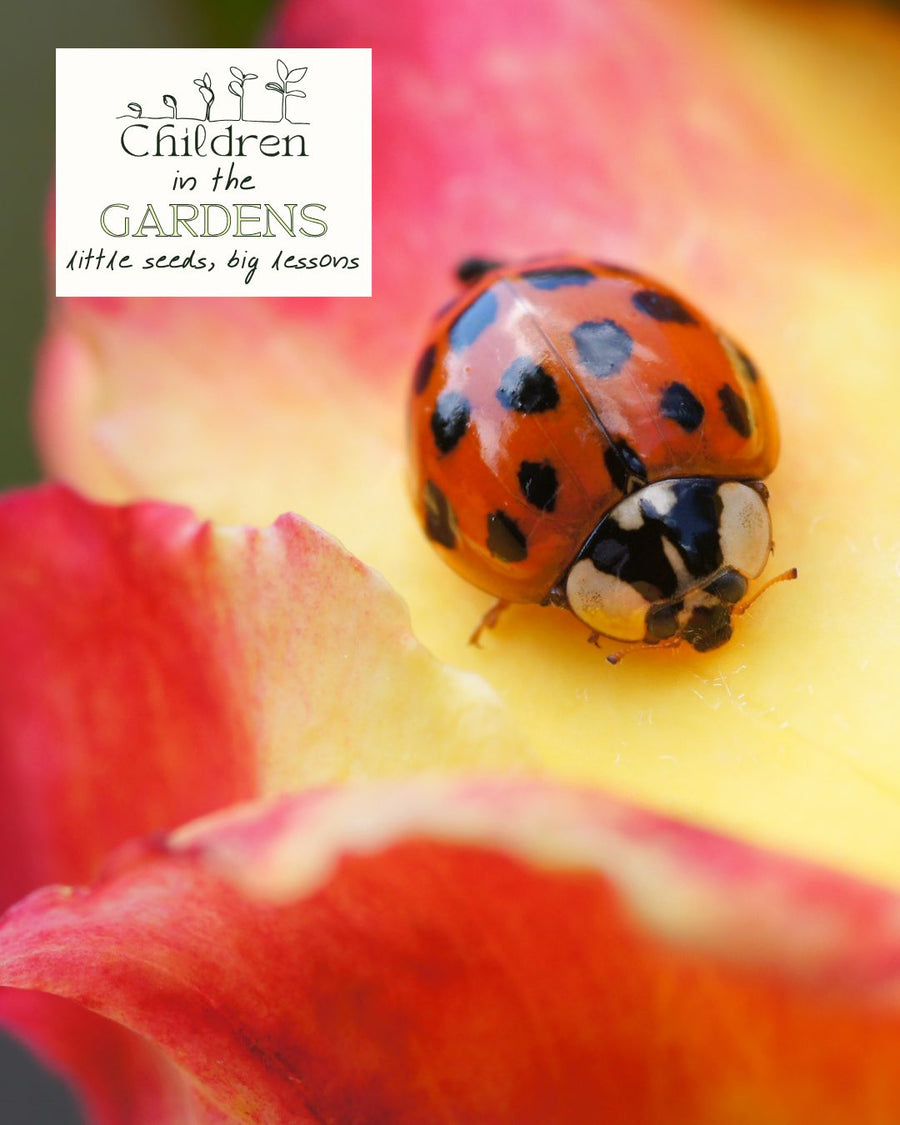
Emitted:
pixel 741 363
pixel 423 369
pixel 539 484
pixel 505 538
pixel 683 407
pixel 604 347
pixel 750 368
pixel 625 467
pixel 440 521
pixel 473 320
pixel 735 410
pixel 471 270
pixel 527 388
pixel 557 277
pixel 662 306
pixel 449 420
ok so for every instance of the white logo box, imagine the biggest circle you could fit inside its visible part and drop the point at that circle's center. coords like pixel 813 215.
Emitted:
pixel 213 172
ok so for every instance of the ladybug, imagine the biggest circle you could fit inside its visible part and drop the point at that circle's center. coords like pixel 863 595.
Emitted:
pixel 582 436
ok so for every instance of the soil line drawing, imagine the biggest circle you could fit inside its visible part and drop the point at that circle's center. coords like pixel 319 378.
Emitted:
pixel 287 78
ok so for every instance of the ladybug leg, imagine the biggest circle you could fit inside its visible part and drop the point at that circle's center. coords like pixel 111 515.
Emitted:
pixel 644 646
pixel 786 576
pixel 471 270
pixel 489 620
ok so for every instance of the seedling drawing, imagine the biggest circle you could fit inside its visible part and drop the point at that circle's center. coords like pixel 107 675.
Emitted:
pixel 237 87
pixel 288 78
pixel 206 92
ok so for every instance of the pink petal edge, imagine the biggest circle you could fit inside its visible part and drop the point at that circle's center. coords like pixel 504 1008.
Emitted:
pixel 157 668
pixel 483 951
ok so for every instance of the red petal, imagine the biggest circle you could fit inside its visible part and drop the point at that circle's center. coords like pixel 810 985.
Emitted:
pixel 116 711
pixel 156 668
pixel 408 971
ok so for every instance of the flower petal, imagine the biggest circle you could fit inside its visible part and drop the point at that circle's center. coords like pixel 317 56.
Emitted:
pixel 483 953
pixel 829 74
pixel 156 669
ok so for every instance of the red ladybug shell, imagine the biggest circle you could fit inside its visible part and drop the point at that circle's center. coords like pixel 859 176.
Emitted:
pixel 552 389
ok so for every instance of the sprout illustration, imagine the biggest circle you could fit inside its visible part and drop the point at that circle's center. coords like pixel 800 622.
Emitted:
pixel 237 88
pixel 135 109
pixel 206 91
pixel 170 101
pixel 288 78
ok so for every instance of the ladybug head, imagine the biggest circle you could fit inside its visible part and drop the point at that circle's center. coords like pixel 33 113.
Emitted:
pixel 671 561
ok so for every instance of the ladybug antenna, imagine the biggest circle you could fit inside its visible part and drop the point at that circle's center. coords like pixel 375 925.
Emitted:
pixel 786 576
pixel 471 270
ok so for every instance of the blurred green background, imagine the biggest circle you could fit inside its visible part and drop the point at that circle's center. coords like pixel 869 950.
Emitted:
pixel 31 34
